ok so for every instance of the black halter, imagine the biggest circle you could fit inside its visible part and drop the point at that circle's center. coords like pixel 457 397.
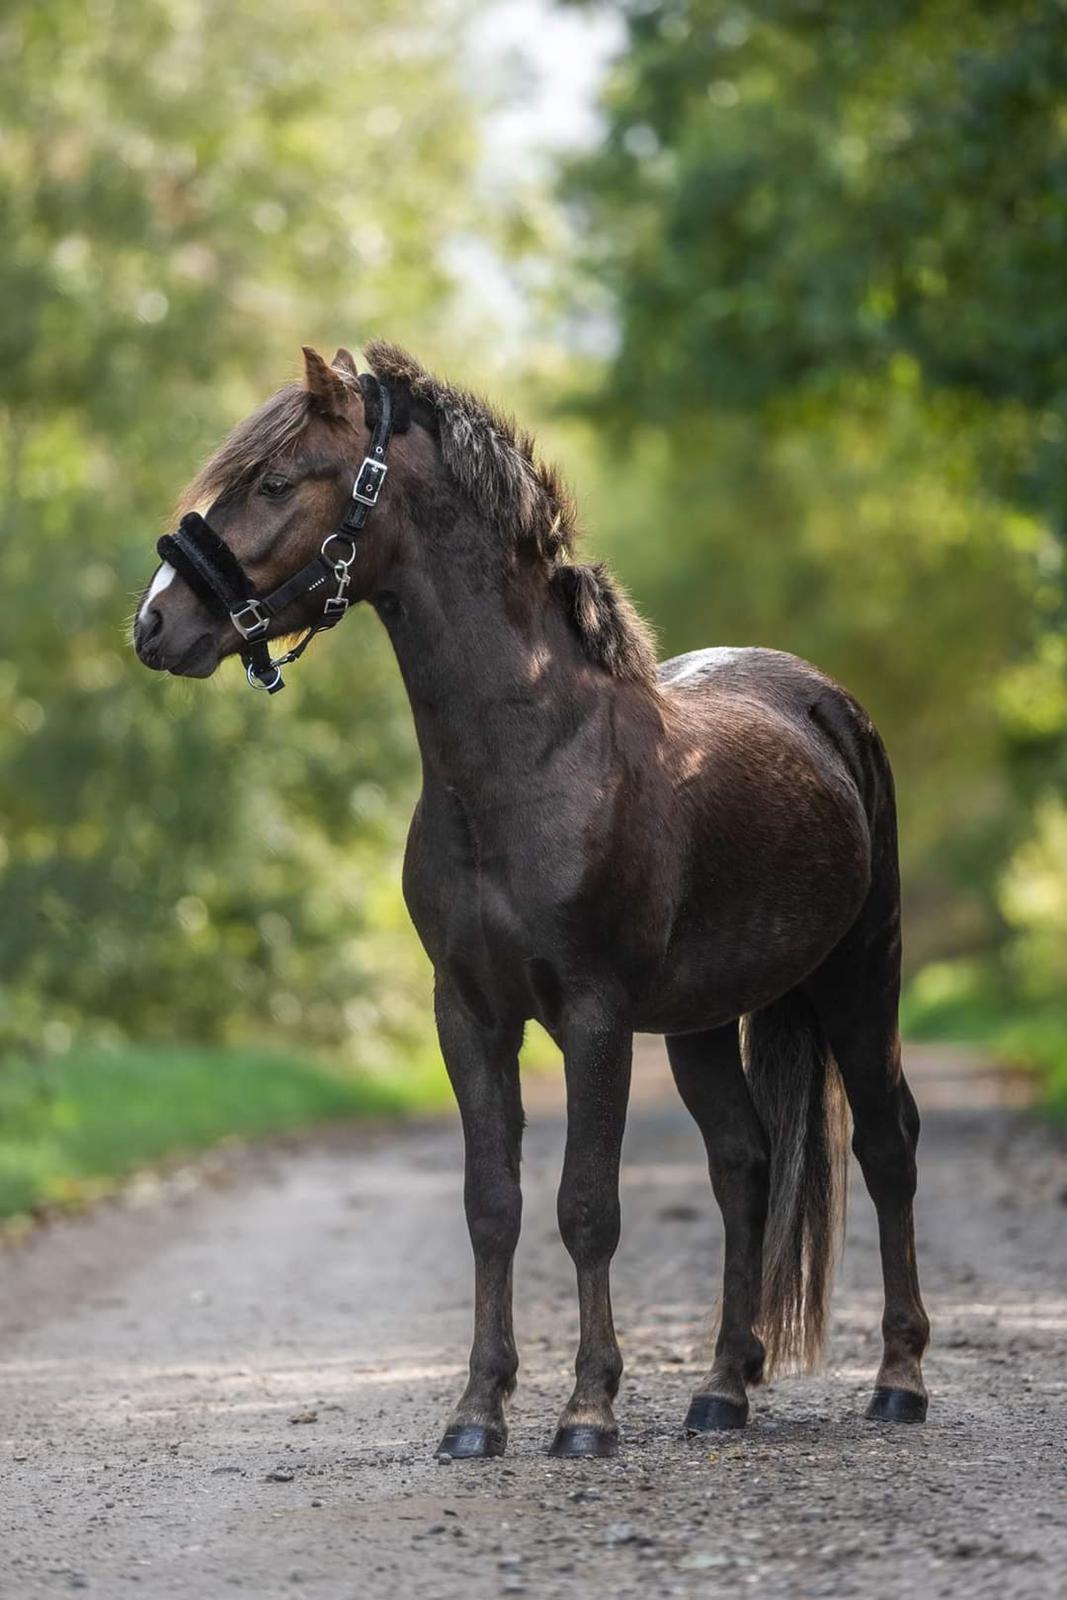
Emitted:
pixel 212 570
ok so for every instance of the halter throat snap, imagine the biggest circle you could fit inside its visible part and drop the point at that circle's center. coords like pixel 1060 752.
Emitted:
pixel 213 572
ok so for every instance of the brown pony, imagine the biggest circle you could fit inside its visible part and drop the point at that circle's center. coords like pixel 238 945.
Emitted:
pixel 705 849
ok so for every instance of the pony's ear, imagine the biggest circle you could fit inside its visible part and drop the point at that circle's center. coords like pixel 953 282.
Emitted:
pixel 327 388
pixel 344 361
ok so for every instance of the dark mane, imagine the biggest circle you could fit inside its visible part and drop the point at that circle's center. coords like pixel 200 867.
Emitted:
pixel 525 500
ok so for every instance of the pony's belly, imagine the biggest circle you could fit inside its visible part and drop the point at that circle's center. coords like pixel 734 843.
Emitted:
pixel 713 978
pixel 701 1005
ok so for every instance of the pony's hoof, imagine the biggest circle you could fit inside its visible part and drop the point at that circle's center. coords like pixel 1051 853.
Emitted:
pixel 472 1441
pixel 708 1413
pixel 583 1440
pixel 896 1405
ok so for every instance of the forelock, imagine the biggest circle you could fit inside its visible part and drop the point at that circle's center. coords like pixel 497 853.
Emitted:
pixel 268 433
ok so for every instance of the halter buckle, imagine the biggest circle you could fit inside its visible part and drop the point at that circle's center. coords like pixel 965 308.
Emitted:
pixel 335 607
pixel 369 480
pixel 260 620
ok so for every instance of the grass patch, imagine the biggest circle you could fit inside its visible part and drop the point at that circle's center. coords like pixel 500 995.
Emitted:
pixel 957 1001
pixel 72 1124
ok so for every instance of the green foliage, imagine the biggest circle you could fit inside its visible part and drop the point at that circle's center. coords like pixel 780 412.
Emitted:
pixel 1034 900
pixel 188 191
pixel 1037 1043
pixel 832 239
pixel 960 1001
pixel 70 1127
pixel 791 192
pixel 829 239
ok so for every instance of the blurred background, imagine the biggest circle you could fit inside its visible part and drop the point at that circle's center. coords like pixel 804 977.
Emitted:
pixel 780 283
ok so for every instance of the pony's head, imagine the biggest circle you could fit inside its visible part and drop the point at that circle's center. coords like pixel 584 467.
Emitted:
pixel 272 494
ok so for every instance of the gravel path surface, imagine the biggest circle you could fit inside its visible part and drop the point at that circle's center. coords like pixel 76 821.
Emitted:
pixel 235 1380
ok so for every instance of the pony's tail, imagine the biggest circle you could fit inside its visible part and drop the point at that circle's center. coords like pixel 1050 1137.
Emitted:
pixel 800 1100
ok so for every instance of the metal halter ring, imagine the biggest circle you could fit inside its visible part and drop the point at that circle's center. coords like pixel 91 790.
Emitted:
pixel 337 533
pixel 257 683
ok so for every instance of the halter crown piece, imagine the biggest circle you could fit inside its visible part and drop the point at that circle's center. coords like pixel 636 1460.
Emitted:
pixel 211 569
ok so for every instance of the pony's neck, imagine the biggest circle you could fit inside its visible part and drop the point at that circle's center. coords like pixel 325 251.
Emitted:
pixel 494 673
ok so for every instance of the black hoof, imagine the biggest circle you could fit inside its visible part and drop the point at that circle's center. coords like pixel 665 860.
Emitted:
pixel 472 1442
pixel 583 1440
pixel 896 1405
pixel 708 1413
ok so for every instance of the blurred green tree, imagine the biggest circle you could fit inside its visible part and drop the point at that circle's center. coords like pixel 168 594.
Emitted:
pixel 831 239
pixel 189 190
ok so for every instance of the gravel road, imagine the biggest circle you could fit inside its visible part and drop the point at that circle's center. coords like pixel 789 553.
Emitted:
pixel 234 1380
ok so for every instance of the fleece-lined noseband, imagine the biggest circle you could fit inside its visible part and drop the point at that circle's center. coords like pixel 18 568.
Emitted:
pixel 212 571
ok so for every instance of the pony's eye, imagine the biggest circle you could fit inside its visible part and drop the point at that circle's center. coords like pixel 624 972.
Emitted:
pixel 274 487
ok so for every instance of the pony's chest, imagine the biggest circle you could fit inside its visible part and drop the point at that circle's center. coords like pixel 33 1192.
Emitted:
pixel 498 917
pixel 493 900
pixel 499 950
pixel 507 907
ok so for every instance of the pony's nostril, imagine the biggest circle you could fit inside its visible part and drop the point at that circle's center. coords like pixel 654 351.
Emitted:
pixel 150 623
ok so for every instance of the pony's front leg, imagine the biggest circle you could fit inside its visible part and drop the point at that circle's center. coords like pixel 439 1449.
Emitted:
pixel 597 1052
pixel 483 1066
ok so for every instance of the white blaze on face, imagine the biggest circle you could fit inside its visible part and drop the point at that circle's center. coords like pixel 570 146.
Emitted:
pixel 157 586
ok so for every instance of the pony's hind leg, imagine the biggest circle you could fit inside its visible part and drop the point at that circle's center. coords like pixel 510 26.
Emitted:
pixel 855 996
pixel 711 1080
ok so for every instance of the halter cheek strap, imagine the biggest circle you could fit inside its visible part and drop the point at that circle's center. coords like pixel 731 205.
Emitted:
pixel 214 573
